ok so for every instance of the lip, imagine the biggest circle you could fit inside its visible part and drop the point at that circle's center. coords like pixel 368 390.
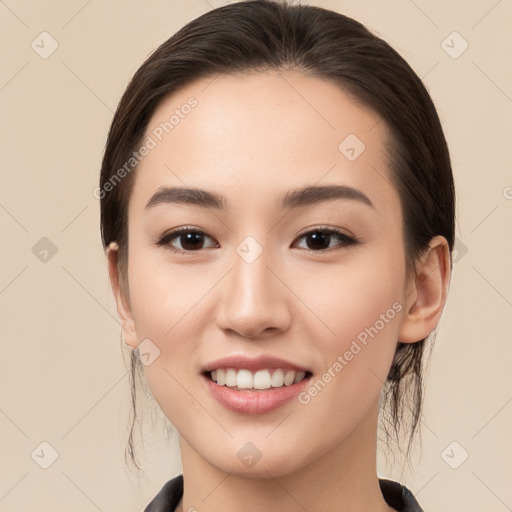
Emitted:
pixel 254 402
pixel 262 362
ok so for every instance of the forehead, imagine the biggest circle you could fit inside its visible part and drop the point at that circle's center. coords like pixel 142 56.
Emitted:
pixel 249 132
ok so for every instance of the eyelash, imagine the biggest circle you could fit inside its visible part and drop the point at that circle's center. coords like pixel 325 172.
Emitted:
pixel 346 240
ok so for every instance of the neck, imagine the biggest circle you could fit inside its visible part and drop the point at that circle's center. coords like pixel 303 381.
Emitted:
pixel 344 478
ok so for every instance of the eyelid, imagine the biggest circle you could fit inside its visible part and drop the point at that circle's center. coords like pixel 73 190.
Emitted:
pixel 329 229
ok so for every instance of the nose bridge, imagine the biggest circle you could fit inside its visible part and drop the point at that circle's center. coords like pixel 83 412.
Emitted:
pixel 250 270
pixel 253 298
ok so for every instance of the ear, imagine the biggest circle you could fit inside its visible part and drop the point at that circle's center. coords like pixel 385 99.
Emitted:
pixel 121 296
pixel 427 291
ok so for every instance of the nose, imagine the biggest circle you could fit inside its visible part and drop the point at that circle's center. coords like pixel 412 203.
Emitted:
pixel 254 298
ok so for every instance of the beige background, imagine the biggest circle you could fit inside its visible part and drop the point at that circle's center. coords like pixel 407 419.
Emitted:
pixel 62 375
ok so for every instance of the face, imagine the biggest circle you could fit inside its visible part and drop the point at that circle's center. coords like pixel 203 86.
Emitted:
pixel 316 279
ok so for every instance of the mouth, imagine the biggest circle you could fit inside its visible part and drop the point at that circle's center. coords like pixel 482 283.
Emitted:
pixel 261 380
pixel 242 392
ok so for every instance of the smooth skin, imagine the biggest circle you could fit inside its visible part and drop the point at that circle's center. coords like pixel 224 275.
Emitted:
pixel 252 139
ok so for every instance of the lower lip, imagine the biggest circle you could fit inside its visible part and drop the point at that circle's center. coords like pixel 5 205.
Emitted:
pixel 254 402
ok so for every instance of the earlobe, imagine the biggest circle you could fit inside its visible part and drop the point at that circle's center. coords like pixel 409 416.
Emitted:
pixel 122 301
pixel 427 293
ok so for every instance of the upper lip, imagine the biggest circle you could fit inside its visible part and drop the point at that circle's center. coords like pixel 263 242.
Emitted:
pixel 261 362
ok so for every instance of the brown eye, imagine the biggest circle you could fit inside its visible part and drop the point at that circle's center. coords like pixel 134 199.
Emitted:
pixel 191 241
pixel 320 239
pixel 185 240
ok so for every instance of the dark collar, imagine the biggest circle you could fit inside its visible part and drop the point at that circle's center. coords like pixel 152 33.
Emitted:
pixel 395 494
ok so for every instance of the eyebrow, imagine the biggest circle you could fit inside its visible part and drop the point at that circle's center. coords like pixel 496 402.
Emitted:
pixel 304 196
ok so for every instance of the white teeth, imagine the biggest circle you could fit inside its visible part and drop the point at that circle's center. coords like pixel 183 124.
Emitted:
pixel 262 379
pixel 277 378
pixel 230 379
pixel 244 379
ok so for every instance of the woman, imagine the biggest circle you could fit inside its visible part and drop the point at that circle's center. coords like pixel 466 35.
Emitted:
pixel 277 210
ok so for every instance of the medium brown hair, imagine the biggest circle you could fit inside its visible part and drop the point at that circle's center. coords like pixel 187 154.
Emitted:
pixel 262 35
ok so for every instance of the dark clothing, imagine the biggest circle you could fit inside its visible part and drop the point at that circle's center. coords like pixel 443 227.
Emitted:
pixel 396 496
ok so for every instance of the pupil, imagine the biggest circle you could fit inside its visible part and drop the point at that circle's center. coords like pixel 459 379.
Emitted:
pixel 320 239
pixel 192 240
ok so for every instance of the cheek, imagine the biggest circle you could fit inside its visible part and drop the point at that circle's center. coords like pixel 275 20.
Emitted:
pixel 356 359
pixel 164 295
pixel 346 299
pixel 168 309
pixel 360 310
